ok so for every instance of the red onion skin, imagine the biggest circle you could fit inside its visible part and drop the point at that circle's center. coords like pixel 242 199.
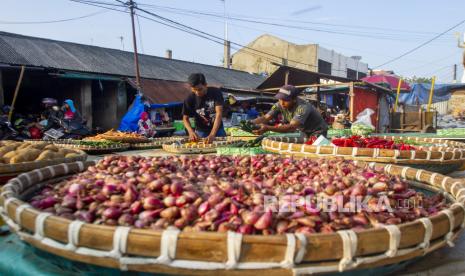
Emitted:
pixel 111 213
pixel 170 213
pixel 203 208
pixel 152 203
pixel 69 202
pixel 250 217
pixel 74 189
pixel 264 221
pixel 176 188
pixel 246 229
pixel 169 201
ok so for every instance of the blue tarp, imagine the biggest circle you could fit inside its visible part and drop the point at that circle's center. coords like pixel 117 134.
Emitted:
pixel 154 106
pixel 420 93
pixel 129 121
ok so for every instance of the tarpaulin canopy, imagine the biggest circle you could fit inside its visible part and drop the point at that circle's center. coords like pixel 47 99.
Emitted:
pixel 420 93
pixel 392 80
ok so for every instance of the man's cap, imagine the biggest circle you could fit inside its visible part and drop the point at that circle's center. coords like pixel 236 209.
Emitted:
pixel 287 92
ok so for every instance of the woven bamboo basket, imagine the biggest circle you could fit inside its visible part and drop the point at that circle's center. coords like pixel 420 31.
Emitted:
pixel 210 253
pixel 442 159
pixel 179 147
pixel 130 140
pixel 156 143
pixel 8 169
pixel 95 149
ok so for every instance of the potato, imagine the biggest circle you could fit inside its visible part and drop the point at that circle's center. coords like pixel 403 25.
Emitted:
pixel 23 146
pixel 57 155
pixel 6 149
pixel 25 155
pixel 9 155
pixel 45 155
pixel 72 154
pixel 51 147
pixel 66 151
pixel 40 145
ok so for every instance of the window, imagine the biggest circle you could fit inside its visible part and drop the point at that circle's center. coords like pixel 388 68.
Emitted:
pixel 361 75
pixel 324 67
pixel 351 74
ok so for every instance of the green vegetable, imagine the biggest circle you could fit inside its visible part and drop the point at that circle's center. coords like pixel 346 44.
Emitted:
pixel 361 129
pixel 96 143
pixel 248 126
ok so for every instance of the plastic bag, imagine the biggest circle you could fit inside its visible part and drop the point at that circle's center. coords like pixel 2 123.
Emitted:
pixel 363 125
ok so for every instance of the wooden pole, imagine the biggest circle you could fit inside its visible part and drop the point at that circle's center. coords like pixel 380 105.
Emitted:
pixel 397 95
pixel 18 85
pixel 431 92
pixel 351 106
pixel 136 56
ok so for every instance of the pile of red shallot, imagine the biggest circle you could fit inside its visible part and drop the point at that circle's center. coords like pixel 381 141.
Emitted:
pixel 220 193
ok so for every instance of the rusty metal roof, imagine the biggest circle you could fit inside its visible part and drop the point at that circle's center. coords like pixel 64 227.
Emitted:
pixel 296 77
pixel 51 54
pixel 162 91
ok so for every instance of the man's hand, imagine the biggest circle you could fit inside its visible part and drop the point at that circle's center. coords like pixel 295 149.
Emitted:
pixel 193 137
pixel 210 138
pixel 261 130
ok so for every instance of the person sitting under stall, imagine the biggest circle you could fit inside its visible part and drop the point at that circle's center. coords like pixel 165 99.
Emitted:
pixel 297 115
pixel 146 126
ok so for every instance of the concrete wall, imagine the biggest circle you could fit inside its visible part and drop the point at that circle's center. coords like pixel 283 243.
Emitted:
pixel 253 62
pixel 340 63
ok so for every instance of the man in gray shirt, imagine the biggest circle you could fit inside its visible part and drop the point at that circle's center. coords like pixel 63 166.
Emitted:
pixel 297 114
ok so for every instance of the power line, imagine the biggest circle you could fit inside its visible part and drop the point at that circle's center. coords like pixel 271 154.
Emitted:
pixel 375 35
pixel 289 20
pixel 219 38
pixel 421 45
pixel 52 21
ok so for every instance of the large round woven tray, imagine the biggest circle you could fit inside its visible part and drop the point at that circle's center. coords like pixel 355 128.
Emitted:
pixel 94 149
pixel 179 147
pixel 443 159
pixel 28 166
pixel 130 140
pixel 156 143
pixel 210 253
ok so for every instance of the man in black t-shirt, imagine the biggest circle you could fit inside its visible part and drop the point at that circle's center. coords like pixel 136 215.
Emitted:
pixel 205 104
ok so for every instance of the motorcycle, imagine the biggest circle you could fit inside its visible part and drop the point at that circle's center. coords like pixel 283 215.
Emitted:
pixel 58 128
pixel 7 132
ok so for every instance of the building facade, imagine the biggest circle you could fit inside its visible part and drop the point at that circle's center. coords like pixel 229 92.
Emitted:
pixel 267 52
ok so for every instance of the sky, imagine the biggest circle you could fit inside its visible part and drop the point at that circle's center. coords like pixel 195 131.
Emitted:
pixel 376 30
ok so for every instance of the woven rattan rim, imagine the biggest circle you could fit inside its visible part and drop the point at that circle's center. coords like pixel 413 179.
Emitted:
pixel 121 146
pixel 198 148
pixel 156 142
pixel 434 155
pixel 131 140
pixel 207 252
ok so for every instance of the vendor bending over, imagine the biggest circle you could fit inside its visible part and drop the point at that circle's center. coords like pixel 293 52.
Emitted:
pixel 205 104
pixel 297 113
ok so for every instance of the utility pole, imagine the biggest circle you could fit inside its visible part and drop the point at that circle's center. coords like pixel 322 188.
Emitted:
pixel 454 79
pixel 227 44
pixel 131 5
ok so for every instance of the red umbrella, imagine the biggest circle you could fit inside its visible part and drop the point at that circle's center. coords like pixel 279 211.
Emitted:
pixel 391 80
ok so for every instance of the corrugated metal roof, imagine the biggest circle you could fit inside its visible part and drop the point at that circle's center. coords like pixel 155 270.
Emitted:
pixel 297 76
pixel 32 51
